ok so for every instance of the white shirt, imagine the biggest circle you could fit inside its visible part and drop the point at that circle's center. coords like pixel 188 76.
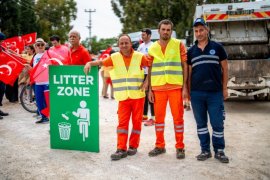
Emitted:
pixel 37 58
pixel 143 48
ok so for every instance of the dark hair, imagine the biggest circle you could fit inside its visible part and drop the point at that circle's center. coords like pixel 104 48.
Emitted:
pixel 55 37
pixel 147 31
pixel 124 35
pixel 165 21
pixel 31 47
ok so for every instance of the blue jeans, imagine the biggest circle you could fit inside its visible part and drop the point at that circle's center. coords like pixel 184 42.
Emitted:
pixel 40 98
pixel 206 103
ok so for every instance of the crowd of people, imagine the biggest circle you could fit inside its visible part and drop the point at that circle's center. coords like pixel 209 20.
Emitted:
pixel 78 55
pixel 156 74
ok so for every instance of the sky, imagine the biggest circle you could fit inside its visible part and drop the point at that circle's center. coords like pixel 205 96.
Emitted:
pixel 105 24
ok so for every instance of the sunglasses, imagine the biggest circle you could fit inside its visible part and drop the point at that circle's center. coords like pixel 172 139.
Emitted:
pixel 40 45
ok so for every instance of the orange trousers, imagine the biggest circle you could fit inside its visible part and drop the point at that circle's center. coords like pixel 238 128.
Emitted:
pixel 129 108
pixel 176 104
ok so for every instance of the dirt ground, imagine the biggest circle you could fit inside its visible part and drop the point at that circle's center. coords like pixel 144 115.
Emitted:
pixel 25 148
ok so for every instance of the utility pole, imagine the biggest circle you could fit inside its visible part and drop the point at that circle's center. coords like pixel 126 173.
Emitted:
pixel 90 24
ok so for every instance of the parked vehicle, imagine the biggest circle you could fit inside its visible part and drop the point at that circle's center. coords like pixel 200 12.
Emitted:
pixel 244 30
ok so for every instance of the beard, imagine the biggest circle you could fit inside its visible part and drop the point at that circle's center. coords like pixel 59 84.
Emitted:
pixel 165 37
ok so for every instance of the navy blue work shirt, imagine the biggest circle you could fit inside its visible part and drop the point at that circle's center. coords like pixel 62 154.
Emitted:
pixel 206 68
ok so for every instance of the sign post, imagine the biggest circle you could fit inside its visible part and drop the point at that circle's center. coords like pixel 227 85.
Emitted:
pixel 74 108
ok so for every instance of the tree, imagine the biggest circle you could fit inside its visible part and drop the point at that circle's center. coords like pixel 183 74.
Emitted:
pixel 98 45
pixel 135 15
pixel 55 16
pixel 9 17
pixel 28 19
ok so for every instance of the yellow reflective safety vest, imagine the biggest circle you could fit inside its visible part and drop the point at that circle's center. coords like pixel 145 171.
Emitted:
pixel 166 68
pixel 126 83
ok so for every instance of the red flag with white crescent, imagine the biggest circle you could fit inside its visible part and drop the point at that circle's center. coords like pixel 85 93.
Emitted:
pixel 105 53
pixel 40 73
pixel 10 68
pixel 29 39
pixel 15 44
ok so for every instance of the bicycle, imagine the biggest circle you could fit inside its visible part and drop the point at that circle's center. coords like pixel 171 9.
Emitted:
pixel 27 98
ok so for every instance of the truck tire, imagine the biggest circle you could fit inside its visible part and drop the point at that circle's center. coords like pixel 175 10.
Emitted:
pixel 267 97
pixel 259 97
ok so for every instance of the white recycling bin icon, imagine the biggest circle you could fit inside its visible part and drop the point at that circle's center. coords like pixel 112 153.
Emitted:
pixel 64 130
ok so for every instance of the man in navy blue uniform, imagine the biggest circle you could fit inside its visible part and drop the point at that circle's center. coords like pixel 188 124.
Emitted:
pixel 208 76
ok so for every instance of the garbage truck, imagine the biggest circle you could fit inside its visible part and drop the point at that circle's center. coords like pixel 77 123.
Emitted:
pixel 244 31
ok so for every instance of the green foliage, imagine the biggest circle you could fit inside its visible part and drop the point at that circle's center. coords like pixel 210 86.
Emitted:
pixel 9 17
pixel 28 20
pixel 55 16
pixel 46 17
pixel 97 45
pixel 135 15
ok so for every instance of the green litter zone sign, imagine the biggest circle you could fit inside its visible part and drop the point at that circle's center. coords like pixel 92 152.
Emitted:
pixel 74 108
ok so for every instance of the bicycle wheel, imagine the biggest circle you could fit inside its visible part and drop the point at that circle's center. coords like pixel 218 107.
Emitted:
pixel 27 98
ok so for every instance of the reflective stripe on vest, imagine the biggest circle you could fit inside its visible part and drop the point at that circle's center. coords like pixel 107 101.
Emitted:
pixel 127 83
pixel 166 68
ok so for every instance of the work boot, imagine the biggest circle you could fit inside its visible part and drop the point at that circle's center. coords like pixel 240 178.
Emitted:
pixel 180 153
pixel 119 154
pixel 204 155
pixel 156 151
pixel 220 155
pixel 1 117
pixel 3 113
pixel 131 151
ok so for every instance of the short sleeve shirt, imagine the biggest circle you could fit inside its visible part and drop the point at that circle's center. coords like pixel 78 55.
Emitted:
pixel 206 69
pixel 80 56
pixel 108 61
pixel 37 58
pixel 143 48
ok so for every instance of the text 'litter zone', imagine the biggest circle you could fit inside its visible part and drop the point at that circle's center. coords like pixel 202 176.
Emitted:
pixel 74 108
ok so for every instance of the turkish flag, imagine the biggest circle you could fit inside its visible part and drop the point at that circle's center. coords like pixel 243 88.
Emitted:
pixel 40 73
pixel 63 53
pixel 18 57
pixel 10 68
pixel 15 44
pixel 29 39
pixel 105 53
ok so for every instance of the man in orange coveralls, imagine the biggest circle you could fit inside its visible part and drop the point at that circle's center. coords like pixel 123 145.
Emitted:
pixel 127 77
pixel 168 80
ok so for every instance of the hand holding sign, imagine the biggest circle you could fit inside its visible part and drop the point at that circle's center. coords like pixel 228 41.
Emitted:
pixel 87 68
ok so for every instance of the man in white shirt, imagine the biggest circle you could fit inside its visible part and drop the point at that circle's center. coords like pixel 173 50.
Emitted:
pixel 143 48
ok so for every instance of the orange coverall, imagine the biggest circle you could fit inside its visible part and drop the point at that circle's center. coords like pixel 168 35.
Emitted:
pixel 129 108
pixel 173 94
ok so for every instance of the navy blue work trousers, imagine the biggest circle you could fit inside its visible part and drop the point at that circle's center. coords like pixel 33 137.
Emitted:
pixel 209 104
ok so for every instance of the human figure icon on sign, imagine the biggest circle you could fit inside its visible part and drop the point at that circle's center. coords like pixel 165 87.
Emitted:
pixel 83 122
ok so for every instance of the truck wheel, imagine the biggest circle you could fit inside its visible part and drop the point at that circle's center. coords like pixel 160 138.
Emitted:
pixel 267 97
pixel 259 97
